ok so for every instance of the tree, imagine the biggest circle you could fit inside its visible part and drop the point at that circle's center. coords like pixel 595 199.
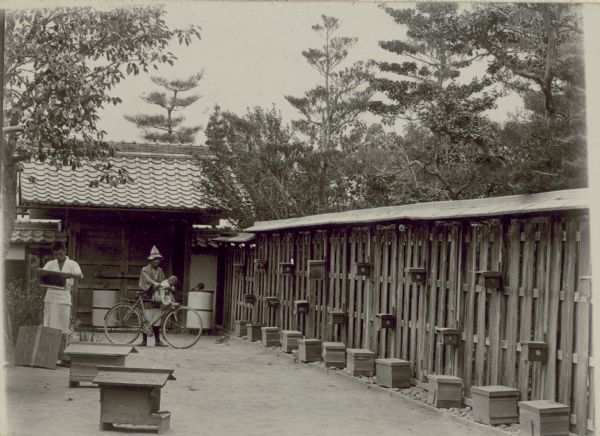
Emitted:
pixel 61 65
pixel 254 173
pixel 262 172
pixel 331 108
pixel 537 51
pixel 431 92
pixel 168 126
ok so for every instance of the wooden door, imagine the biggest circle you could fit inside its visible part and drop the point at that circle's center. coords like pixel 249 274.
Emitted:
pixel 111 256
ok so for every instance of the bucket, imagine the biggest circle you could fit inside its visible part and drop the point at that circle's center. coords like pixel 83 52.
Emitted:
pixel 202 301
pixel 102 300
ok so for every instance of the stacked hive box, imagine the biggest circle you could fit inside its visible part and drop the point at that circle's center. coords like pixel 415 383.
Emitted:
pixel 360 362
pixel 334 354
pixel 544 418
pixel 240 328
pixel 289 340
pixel 392 373
pixel 495 404
pixel 309 350
pixel 445 391
pixel 254 332
pixel 270 336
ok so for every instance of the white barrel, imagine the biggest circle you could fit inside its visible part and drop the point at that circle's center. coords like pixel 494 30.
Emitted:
pixel 102 300
pixel 202 301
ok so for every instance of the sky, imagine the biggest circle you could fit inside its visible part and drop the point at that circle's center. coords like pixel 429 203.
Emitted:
pixel 251 56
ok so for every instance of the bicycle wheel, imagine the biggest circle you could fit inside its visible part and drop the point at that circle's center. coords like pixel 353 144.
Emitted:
pixel 122 323
pixel 182 327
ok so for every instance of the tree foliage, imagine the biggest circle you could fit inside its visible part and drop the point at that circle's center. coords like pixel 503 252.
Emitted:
pixel 536 51
pixel 428 87
pixel 168 126
pixel 332 108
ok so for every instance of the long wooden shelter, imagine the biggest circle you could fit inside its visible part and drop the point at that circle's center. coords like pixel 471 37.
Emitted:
pixel 511 276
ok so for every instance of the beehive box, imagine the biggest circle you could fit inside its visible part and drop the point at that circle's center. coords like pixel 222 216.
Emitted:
pixel 86 357
pixel 445 391
pixel 309 350
pixel 253 332
pixel 447 336
pixel 240 328
pixel 544 418
pixel 495 404
pixel 132 396
pixel 535 351
pixel 270 336
pixel 360 362
pixel 392 373
pixel 334 354
pixel 289 340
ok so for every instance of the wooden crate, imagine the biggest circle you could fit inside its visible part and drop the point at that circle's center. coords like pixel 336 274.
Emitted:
pixel 86 357
pixel 131 396
pixel 334 354
pixel 272 301
pixel 417 275
pixel 286 267
pixel 385 321
pixel 300 306
pixel 316 269
pixel 491 279
pixel 254 332
pixel 336 316
pixel 363 269
pixel 392 373
pixel 544 418
pixel 260 264
pixel 495 404
pixel 447 336
pixel 240 328
pixel 445 391
pixel 289 340
pixel 38 346
pixel 360 362
pixel 270 336
pixel 309 350
pixel 535 351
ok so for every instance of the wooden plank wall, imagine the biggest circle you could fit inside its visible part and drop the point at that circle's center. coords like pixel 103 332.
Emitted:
pixel 544 263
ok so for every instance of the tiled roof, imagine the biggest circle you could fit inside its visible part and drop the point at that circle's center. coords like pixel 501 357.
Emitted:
pixel 571 199
pixel 37 231
pixel 163 178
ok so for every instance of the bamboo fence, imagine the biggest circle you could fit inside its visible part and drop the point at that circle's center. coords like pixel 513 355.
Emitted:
pixel 543 264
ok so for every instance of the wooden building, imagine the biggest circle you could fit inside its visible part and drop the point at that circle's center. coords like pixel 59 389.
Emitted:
pixel 111 229
pixel 495 291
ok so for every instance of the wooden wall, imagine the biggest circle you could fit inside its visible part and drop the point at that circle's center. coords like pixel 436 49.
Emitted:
pixel 544 262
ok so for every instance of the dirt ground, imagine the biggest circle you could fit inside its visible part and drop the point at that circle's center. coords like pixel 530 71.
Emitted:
pixel 230 388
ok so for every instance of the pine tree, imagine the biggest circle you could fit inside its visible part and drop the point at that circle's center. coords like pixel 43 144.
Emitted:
pixel 167 128
pixel 331 108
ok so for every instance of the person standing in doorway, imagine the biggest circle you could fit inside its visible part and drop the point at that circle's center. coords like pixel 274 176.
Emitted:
pixel 150 278
pixel 57 302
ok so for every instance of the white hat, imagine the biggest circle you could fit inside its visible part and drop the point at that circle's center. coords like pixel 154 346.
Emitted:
pixel 154 253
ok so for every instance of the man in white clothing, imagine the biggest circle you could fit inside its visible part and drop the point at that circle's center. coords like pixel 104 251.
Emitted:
pixel 57 304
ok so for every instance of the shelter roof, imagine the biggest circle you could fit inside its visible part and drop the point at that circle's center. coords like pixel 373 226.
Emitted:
pixel 164 177
pixel 554 201
pixel 237 238
pixel 37 231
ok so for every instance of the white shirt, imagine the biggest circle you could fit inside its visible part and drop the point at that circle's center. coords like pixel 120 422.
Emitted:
pixel 62 295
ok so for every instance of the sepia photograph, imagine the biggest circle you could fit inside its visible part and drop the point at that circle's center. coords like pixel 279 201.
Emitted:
pixel 299 217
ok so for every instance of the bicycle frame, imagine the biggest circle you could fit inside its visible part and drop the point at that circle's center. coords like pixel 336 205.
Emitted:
pixel 139 305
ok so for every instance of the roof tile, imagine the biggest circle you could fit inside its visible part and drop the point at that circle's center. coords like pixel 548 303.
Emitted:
pixel 173 183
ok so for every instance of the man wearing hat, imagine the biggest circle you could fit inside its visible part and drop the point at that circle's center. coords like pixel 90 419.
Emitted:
pixel 150 277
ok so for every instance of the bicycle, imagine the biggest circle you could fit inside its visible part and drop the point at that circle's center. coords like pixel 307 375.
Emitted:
pixel 123 323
